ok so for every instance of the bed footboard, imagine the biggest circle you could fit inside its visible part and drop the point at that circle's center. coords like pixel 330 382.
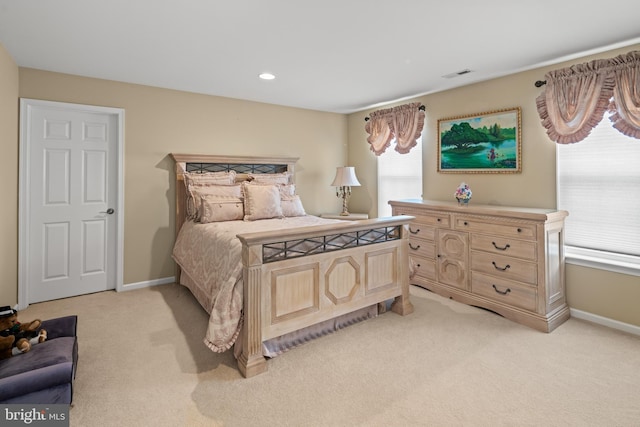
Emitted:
pixel 309 275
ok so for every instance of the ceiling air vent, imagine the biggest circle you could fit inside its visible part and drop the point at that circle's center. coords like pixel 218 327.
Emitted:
pixel 457 73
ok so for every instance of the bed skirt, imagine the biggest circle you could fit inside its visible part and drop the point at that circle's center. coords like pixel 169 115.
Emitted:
pixel 276 346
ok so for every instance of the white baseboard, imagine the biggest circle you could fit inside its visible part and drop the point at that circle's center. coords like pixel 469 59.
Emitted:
pixel 605 321
pixel 148 283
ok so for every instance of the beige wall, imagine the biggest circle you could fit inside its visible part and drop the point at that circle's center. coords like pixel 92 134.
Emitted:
pixel 599 292
pixel 9 177
pixel 159 121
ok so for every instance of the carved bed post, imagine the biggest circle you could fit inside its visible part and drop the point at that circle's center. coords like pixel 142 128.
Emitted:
pixel 251 362
pixel 402 304
pixel 181 202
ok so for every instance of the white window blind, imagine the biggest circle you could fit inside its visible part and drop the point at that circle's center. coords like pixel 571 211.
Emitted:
pixel 599 185
pixel 399 177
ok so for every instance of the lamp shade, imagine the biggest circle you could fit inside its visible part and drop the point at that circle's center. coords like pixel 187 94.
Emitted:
pixel 345 177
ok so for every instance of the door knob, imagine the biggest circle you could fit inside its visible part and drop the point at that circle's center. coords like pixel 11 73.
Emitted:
pixel 108 211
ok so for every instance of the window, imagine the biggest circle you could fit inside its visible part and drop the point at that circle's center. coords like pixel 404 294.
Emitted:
pixel 599 185
pixel 399 177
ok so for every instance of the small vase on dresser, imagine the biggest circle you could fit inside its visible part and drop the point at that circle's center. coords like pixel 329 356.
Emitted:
pixel 507 260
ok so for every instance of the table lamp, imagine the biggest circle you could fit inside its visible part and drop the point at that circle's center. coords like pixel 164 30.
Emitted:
pixel 344 180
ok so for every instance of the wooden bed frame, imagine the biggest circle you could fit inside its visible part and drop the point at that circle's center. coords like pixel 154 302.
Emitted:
pixel 291 291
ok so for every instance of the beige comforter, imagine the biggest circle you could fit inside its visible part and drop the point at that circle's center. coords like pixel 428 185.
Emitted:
pixel 210 255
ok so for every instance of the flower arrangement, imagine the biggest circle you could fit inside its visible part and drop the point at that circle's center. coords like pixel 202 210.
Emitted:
pixel 463 193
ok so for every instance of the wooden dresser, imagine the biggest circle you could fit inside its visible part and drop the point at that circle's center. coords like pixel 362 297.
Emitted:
pixel 508 260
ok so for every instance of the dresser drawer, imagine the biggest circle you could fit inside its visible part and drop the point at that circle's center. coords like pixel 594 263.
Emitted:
pixel 504 267
pixel 437 219
pixel 422 248
pixel 422 268
pixel 421 231
pixel 504 246
pixel 513 294
pixel 504 228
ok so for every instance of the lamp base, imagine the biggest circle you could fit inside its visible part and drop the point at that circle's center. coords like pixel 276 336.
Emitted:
pixel 345 193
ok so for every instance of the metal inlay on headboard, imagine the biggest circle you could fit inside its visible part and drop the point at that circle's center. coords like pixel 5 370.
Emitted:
pixel 239 168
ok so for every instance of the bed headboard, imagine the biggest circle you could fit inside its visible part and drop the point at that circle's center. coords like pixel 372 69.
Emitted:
pixel 242 165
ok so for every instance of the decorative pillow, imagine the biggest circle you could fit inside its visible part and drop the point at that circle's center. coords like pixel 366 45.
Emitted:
pixel 209 178
pixel 214 208
pixel 261 202
pixel 271 178
pixel 205 179
pixel 287 190
pixel 292 206
pixel 196 193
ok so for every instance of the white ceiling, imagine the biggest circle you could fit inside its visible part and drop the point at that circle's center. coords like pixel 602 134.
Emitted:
pixel 330 55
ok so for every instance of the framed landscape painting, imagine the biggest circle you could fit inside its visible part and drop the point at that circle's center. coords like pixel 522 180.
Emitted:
pixel 481 143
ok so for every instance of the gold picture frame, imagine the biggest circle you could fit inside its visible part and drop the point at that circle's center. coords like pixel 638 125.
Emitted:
pixel 489 142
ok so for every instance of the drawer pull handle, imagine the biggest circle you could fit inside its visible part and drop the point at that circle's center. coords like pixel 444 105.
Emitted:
pixel 415 248
pixel 500 268
pixel 504 248
pixel 438 220
pixel 501 292
pixel 465 223
pixel 414 232
pixel 519 230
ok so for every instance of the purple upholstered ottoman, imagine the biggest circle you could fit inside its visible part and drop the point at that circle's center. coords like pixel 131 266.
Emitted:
pixel 45 374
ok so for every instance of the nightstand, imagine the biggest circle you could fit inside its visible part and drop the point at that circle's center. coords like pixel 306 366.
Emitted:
pixel 350 217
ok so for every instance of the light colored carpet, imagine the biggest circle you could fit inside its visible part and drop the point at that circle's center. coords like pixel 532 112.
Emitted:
pixel 142 363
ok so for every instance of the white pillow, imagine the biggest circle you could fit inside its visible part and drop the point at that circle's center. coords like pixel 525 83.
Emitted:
pixel 287 190
pixel 271 178
pixel 194 180
pixel 289 200
pixel 214 208
pixel 292 206
pixel 196 193
pixel 261 202
pixel 209 178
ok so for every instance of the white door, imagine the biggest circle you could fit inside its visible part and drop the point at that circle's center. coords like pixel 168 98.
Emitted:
pixel 70 200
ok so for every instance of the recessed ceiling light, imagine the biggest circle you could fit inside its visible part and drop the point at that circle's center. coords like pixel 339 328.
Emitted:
pixel 267 76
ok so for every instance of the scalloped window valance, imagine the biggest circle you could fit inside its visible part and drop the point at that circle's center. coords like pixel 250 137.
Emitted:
pixel 403 123
pixel 575 98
